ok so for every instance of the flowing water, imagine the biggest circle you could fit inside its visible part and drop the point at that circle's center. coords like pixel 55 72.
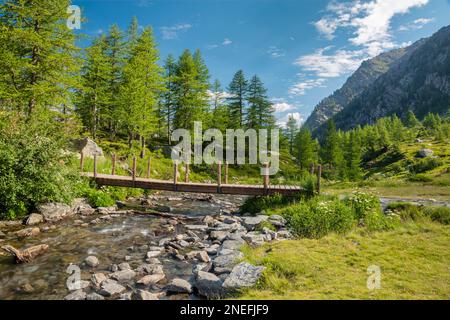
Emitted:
pixel 125 238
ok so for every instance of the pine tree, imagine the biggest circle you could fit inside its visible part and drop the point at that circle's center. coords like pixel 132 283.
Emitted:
pixel 220 114
pixel 116 52
pixel 332 153
pixel 353 156
pixel 141 88
pixel 411 120
pixel 38 56
pixel 191 96
pixel 305 147
pixel 93 98
pixel 237 89
pixel 168 96
pixel 292 129
pixel 260 110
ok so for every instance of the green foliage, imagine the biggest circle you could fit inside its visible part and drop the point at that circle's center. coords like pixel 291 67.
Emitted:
pixel 99 198
pixel 258 204
pixel 426 164
pixel 420 178
pixel 438 214
pixel 317 217
pixel 238 89
pixel 363 203
pixel 32 169
pixel 376 220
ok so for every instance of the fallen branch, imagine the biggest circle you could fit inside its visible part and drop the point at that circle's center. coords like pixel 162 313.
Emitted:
pixel 27 255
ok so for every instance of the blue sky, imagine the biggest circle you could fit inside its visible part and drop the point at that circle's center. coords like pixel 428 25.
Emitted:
pixel 302 49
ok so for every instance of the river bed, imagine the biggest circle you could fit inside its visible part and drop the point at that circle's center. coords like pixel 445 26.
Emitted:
pixel 120 238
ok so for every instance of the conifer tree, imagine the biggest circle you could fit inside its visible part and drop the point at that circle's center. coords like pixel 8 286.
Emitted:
pixel 237 89
pixel 331 152
pixel 305 147
pixel 168 96
pixel 260 110
pixel 292 130
pixel 38 58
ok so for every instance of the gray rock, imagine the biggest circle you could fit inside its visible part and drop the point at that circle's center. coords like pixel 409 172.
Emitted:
pixel 243 275
pixel 97 279
pixel 277 220
pixel 123 275
pixel 425 153
pixel 91 261
pixel 252 222
pixel 124 266
pixel 94 296
pixel 209 285
pixel 199 227
pixel 153 254
pixel 225 227
pixel 76 295
pixel 146 295
pixel 151 279
pixel 205 267
pixel 35 218
pixel 150 269
pixel 232 244
pixel 284 234
pixel 53 212
pixel 88 147
pixel 2 235
pixel 164 209
pixel 126 296
pixel 179 286
pixel 254 238
pixel 110 288
pixel 224 263
pixel 212 249
pixel 218 235
pixel 28 232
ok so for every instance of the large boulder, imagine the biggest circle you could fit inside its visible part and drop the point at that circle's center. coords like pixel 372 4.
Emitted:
pixel 110 288
pixel 225 262
pixel 34 218
pixel 208 285
pixel 179 286
pixel 243 275
pixel 251 223
pixel 88 147
pixel 54 212
pixel 425 153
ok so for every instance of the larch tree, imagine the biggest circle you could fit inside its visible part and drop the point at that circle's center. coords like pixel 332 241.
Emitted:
pixel 39 60
pixel 237 89
pixel 139 93
pixel 168 96
pixel 291 130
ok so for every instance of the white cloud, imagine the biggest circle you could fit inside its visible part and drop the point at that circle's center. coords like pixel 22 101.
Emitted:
pixel 227 42
pixel 333 65
pixel 283 120
pixel 416 24
pixel 282 107
pixel 221 96
pixel 170 33
pixel 275 52
pixel 299 89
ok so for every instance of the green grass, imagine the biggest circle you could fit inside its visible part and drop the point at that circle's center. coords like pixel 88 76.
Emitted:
pixel 413 260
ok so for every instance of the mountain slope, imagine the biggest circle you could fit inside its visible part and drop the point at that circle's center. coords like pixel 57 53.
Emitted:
pixel 364 77
pixel 419 81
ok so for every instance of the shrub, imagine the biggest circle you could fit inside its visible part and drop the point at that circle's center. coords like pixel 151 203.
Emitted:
pixel 376 220
pixel 257 204
pixel 406 211
pixel 424 165
pixel 99 198
pixel 32 169
pixel 420 178
pixel 315 218
pixel 362 203
pixel 438 214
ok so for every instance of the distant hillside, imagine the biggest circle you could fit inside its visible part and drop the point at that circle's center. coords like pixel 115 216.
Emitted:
pixel 414 78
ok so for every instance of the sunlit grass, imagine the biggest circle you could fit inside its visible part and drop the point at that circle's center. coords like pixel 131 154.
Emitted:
pixel 414 262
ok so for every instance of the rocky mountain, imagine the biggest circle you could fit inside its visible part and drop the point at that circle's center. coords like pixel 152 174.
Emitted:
pixel 414 78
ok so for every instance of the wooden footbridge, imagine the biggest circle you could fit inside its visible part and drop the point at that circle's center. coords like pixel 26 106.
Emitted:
pixel 220 187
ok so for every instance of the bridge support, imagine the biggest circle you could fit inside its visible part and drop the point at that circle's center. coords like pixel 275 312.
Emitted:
pixel 134 170
pixel 175 175
pixel 95 166
pixel 319 176
pixel 149 163
pixel 81 161
pixel 226 172
pixel 266 178
pixel 219 176
pixel 113 166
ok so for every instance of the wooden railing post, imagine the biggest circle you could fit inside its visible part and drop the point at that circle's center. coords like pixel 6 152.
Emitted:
pixel 175 174
pixel 149 163
pixel 95 166
pixel 266 178
pixel 319 176
pixel 81 161
pixel 219 175
pixel 186 172
pixel 311 169
pixel 113 168
pixel 134 169
pixel 226 172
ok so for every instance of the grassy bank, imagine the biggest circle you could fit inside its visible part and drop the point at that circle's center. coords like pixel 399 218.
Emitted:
pixel 413 260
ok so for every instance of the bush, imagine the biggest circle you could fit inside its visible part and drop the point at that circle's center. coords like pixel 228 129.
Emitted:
pixel 420 178
pixel 376 220
pixel 99 198
pixel 438 214
pixel 407 211
pixel 424 165
pixel 315 218
pixel 256 205
pixel 32 169
pixel 363 203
